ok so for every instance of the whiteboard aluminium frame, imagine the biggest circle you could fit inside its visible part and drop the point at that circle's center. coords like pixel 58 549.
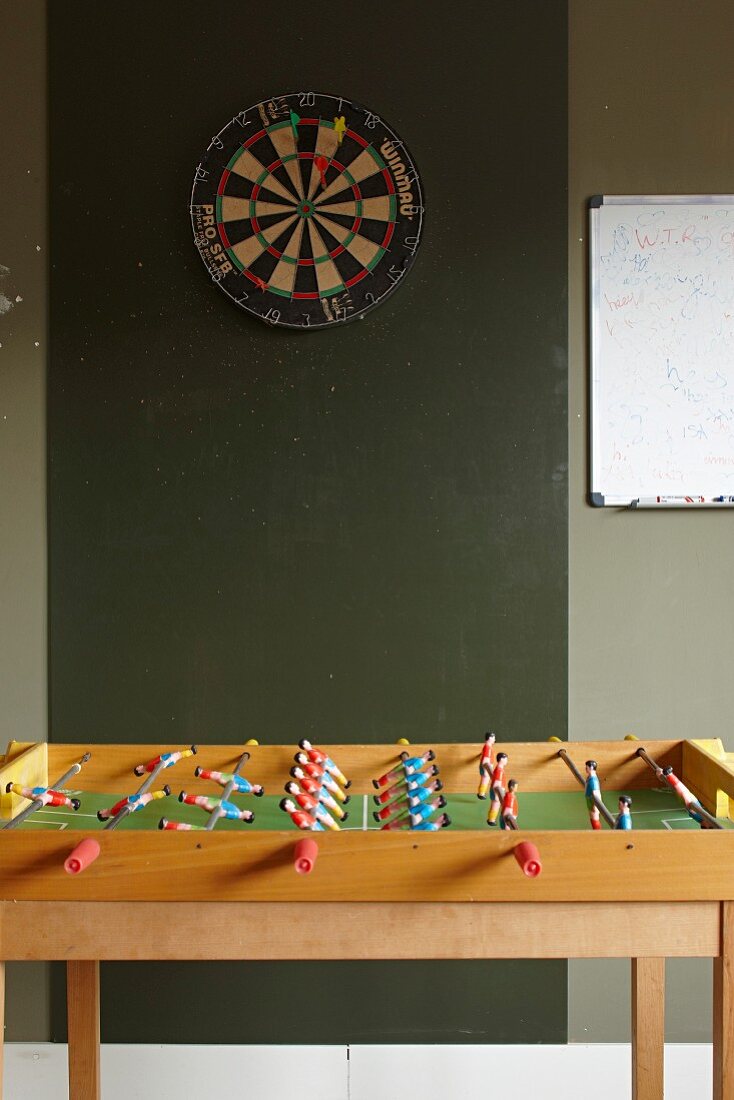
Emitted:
pixel 596 496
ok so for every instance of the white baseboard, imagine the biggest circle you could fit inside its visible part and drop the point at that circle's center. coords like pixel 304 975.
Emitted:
pixel 574 1072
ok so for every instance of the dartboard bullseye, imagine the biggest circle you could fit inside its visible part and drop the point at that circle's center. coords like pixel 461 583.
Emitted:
pixel 307 210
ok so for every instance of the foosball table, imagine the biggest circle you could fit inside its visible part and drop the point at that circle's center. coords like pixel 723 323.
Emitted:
pixel 272 852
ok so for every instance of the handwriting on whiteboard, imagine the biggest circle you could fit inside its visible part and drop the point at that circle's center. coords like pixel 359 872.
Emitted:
pixel 663 306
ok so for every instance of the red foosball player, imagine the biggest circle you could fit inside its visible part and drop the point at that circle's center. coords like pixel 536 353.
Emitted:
pixel 498 788
pixel 316 756
pixel 592 791
pixel 167 759
pixel 133 802
pixel 508 818
pixel 241 785
pixel 311 805
pixel 44 795
pixel 624 817
pixel 299 817
pixel 315 771
pixel 486 766
pixel 688 799
pixel 313 787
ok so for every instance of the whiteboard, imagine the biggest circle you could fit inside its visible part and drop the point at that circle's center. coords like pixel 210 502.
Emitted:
pixel 662 347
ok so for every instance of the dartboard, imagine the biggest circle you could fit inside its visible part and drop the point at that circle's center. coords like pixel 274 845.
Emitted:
pixel 307 210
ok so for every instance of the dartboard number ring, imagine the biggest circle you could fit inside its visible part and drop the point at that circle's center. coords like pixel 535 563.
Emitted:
pixel 307 210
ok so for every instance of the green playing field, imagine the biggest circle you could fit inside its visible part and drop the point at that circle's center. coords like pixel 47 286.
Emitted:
pixel 651 809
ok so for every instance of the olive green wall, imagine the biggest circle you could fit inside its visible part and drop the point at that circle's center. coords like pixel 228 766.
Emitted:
pixel 23 351
pixel 651 621
pixel 356 534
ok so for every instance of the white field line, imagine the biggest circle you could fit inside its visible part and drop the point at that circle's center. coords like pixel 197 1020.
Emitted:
pixel 66 817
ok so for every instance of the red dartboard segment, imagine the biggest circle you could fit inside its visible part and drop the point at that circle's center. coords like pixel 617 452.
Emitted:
pixel 254 139
pixel 357 278
pixel 321 247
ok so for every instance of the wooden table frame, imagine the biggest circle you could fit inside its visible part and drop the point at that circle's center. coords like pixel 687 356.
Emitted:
pixel 646 896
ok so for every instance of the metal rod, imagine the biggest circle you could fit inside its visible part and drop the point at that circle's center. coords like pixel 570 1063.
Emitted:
pixel 605 813
pixel 648 759
pixel 73 770
pixel 713 822
pixel 217 813
pixel 144 786
pixel 571 766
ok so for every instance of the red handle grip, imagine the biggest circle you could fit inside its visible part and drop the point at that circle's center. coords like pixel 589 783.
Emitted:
pixel 304 856
pixel 84 854
pixel 528 857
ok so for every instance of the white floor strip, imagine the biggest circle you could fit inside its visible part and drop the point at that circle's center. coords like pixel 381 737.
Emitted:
pixel 386 1072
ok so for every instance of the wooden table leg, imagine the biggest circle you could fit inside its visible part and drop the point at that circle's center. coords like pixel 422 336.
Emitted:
pixel 724 1007
pixel 82 1006
pixel 648 1029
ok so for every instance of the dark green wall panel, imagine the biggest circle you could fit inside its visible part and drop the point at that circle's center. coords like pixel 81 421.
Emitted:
pixel 358 534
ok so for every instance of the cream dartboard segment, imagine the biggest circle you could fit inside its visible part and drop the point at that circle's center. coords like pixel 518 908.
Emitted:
pixel 307 210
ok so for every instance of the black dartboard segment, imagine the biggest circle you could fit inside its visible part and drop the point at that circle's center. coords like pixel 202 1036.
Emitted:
pixel 307 210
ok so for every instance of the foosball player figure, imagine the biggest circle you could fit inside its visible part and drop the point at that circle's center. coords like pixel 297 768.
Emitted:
pixel 241 785
pixel 407 797
pixel 624 817
pixel 689 800
pixel 399 808
pixel 315 771
pixel 177 826
pixel 413 764
pixel 311 805
pixel 408 765
pixel 217 805
pixel 133 802
pixel 592 791
pixel 425 812
pixel 498 788
pixel 299 817
pixel 418 795
pixel 317 756
pixel 314 788
pixel 44 795
pixel 167 759
pixel 408 784
pixel 486 766
pixel 441 822
pixel 508 818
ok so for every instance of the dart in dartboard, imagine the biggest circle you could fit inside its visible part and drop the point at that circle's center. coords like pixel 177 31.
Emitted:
pixel 307 210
